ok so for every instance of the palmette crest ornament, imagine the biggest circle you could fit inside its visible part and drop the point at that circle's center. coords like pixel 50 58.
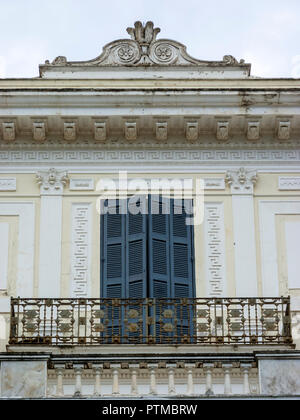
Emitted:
pixel 144 49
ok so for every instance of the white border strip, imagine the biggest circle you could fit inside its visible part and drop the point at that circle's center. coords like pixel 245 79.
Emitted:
pixel 26 213
pixel 267 213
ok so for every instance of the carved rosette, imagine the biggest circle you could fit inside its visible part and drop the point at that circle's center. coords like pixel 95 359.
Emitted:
pixel 242 181
pixel 163 53
pixel 52 181
pixel 127 53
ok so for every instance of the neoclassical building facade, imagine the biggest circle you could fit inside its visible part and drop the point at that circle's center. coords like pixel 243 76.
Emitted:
pixel 143 304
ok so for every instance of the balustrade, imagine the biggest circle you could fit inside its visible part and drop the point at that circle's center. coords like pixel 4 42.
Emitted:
pixel 164 379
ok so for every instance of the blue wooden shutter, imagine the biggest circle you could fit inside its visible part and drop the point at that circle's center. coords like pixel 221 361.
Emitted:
pixel 113 228
pixel 136 266
pixel 159 265
pixel 182 267
pixel 136 250
pixel 181 251
pixel 113 272
pixel 159 253
pixel 124 265
pixel 171 269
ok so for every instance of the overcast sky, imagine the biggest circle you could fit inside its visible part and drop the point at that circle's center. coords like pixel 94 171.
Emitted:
pixel 263 32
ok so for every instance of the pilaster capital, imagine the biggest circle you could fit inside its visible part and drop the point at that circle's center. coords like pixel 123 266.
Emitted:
pixel 52 181
pixel 98 368
pixel 242 181
pixel 78 368
pixel 246 367
pixel 208 366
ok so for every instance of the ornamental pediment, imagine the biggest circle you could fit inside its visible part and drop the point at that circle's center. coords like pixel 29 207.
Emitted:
pixel 143 49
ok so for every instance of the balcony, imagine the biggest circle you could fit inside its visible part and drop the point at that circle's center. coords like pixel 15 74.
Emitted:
pixel 200 322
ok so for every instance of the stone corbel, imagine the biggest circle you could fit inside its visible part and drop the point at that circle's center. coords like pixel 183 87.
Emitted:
pixel 222 130
pixel 100 131
pixel 253 130
pixel 284 130
pixel 39 131
pixel 70 131
pixel 9 131
pixel 192 131
pixel 162 131
pixel 242 181
pixel 130 130
pixel 52 182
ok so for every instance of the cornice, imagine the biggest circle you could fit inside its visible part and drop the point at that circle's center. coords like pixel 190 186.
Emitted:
pixel 127 84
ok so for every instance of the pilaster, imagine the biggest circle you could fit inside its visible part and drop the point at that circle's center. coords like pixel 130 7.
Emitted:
pixel 52 183
pixel 242 184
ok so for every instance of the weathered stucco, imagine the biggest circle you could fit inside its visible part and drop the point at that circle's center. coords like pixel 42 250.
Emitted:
pixel 280 377
pixel 23 379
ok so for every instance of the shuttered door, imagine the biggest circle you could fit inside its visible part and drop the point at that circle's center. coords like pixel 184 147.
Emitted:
pixel 113 265
pixel 149 256
pixel 182 268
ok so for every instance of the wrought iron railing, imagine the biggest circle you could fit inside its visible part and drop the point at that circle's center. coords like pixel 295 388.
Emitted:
pixel 211 321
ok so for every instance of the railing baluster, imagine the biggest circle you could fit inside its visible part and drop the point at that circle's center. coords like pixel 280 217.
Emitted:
pixel 134 385
pixel 190 379
pixel 60 385
pixel 171 374
pixel 208 369
pixel 78 385
pixel 227 378
pixel 115 378
pixel 245 368
pixel 97 389
pixel 153 387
